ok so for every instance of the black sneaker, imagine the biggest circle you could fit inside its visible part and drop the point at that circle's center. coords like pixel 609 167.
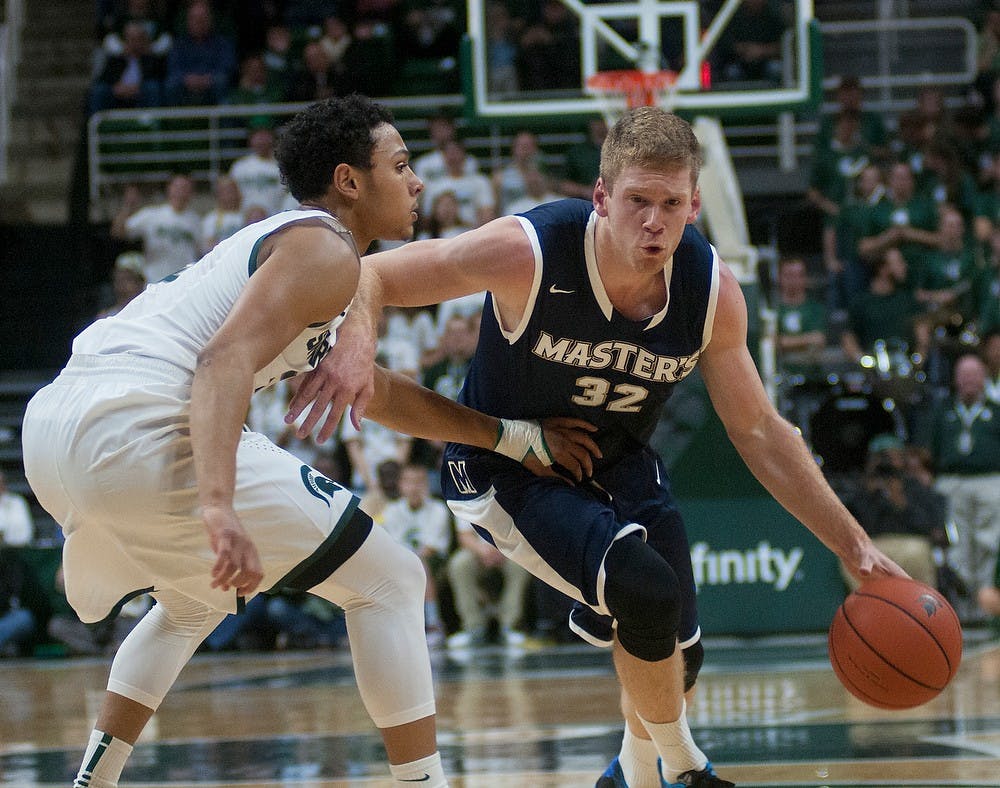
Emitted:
pixel 706 778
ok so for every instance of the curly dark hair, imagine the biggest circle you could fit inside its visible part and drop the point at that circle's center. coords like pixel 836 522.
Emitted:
pixel 337 130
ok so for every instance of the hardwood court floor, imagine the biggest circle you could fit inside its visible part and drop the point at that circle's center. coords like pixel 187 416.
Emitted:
pixel 769 713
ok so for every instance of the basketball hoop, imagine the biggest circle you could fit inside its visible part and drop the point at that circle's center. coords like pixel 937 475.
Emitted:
pixel 631 88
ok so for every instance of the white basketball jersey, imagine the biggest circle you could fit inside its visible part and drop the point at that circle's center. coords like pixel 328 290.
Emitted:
pixel 174 319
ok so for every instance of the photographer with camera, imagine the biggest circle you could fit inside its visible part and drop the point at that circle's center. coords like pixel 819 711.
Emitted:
pixel 904 516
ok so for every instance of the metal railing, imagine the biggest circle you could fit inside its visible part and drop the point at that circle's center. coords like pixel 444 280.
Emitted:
pixel 10 57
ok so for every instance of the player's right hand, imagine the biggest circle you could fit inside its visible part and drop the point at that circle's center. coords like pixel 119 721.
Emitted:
pixel 237 563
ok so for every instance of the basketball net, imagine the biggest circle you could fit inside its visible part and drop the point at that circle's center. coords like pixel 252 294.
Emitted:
pixel 618 91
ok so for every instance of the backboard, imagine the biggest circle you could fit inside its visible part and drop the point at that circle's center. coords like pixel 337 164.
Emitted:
pixel 690 37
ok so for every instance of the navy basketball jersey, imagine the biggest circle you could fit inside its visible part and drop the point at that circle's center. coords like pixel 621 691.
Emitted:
pixel 573 354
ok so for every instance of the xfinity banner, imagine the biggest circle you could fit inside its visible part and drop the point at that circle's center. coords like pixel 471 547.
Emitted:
pixel 759 570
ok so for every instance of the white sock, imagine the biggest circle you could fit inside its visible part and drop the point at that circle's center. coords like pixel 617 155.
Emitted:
pixel 638 759
pixel 427 771
pixel 678 752
pixel 102 762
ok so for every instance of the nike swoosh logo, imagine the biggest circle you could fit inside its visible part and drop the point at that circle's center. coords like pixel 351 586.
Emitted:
pixel 423 779
pixel 555 289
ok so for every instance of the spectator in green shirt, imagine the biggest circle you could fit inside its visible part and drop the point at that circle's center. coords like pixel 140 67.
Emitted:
pixel 902 219
pixel 801 321
pixel 887 311
pixel 945 281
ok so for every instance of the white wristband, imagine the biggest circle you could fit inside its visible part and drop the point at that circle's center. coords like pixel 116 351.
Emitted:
pixel 516 438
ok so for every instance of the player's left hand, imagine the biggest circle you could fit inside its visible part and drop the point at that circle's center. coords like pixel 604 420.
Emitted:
pixel 345 376
pixel 570 446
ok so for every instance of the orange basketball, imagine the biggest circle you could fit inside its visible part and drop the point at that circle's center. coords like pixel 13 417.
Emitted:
pixel 895 643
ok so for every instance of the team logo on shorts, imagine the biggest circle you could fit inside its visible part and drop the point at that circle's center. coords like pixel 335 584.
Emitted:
pixel 460 476
pixel 317 484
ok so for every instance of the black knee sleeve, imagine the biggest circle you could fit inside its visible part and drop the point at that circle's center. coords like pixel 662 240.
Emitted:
pixel 643 594
pixel 693 655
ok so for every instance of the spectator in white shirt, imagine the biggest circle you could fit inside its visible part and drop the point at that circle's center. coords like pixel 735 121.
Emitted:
pixel 169 230
pixel 430 166
pixel 423 524
pixel 537 191
pixel 258 175
pixel 473 191
pixel 16 526
pixel 226 217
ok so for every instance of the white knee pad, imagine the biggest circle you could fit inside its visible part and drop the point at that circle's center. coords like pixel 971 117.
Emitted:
pixel 152 655
pixel 381 589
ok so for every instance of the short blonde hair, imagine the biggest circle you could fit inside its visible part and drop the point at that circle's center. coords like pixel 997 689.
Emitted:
pixel 651 138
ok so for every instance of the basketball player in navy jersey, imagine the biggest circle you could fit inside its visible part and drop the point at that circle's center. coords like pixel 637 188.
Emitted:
pixel 138 449
pixel 597 310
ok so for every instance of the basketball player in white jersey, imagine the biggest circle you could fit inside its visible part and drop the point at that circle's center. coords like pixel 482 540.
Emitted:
pixel 138 448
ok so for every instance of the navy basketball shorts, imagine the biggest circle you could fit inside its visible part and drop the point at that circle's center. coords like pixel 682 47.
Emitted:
pixel 561 533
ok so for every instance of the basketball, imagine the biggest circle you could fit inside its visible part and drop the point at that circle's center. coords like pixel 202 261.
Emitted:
pixel 895 643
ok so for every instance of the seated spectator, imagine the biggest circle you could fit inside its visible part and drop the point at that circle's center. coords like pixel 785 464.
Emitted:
pixel 987 218
pixel 750 47
pixel 836 165
pixel 871 126
pixel 508 180
pixel 502 31
pixel 384 491
pixel 169 230
pixel 443 219
pixel 257 174
pixel 537 191
pixel 315 78
pixel 17 527
pixel 430 166
pixel 371 58
pixel 945 281
pixel 987 292
pixel 128 279
pixel 887 312
pixel 336 44
pixel 277 56
pixel 446 366
pixel 947 182
pixel 254 87
pixel 131 79
pixel 423 524
pixel 583 161
pixel 902 219
pixel 473 569
pixel 226 216
pixel 801 320
pixel 847 274
pixel 140 12
pixel 549 56
pixel 201 63
pixel 905 520
pixel 427 37
pixel 476 204
pixel 24 605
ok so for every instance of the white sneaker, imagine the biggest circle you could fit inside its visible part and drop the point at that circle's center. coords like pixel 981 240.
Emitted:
pixel 465 639
pixel 511 637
